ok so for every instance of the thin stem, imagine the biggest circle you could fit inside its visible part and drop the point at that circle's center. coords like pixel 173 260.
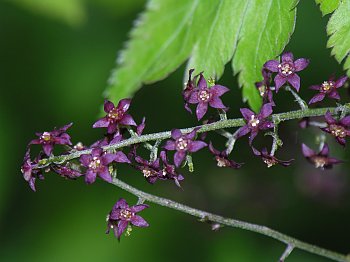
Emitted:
pixel 206 216
pixel 298 114
pixel 300 101
pixel 286 253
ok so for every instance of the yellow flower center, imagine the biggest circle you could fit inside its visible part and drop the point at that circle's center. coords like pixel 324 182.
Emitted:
pixel 337 131
pixel 181 144
pixel 95 163
pixel 46 136
pixel 254 122
pixel 270 162
pixel 319 161
pixel 115 114
pixel 327 85
pixel 203 95
pixel 286 69
pixel 126 214
pixel 222 162
pixel 147 172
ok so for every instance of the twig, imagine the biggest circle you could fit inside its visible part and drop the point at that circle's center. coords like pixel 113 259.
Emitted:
pixel 286 253
pixel 301 102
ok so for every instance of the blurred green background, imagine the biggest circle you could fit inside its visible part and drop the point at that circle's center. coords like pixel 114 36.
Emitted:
pixel 55 59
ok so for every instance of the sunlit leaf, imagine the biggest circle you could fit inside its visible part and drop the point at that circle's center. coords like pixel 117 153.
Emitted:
pixel 328 6
pixel 207 32
pixel 339 30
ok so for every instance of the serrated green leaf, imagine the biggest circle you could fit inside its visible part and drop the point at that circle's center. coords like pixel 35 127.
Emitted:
pixel 209 32
pixel 327 6
pixel 339 30
pixel 71 12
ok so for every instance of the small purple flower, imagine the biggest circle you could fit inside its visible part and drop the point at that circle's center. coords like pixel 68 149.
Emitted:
pixel 150 169
pixel 264 87
pixel 66 171
pixel 55 137
pixel 122 214
pixel 222 158
pixel 204 96
pixel 255 122
pixel 190 87
pixel 270 160
pixel 116 115
pixel 30 174
pixel 169 171
pixel 321 159
pixel 338 129
pixel 286 70
pixel 183 143
pixel 328 88
pixel 97 163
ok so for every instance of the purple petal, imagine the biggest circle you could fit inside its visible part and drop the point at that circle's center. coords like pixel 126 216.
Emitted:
pixel 329 119
pixel 85 160
pixel 163 157
pixel 219 90
pixel 341 140
pixel 196 145
pixel 124 104
pixel 216 102
pixel 345 121
pixel 179 157
pixel 294 81
pixel 242 131
pixel 301 64
pixel 307 151
pixel 103 122
pixel 170 145
pixel 247 114
pixel 325 150
pixel 127 120
pixel 121 157
pixel 90 177
pixel 256 152
pixel 156 164
pixel 35 142
pixel 334 94
pixel 279 81
pixel 272 65
pixel 265 111
pixel 176 134
pixel 193 98
pixel 266 125
pixel 341 81
pixel 105 175
pixel 202 108
pixel 191 135
pixel 332 161
pixel 253 134
pixel 317 98
pixel 96 152
pixel 108 106
pixel 202 83
pixel 314 87
pixel 121 203
pixel 138 208
pixel 141 127
pixel 48 149
pixel 213 150
pixel 287 57
pixel 122 225
pixel 138 221
pixel 64 139
pixel 32 183
pixel 116 139
pixel 108 158
pixel 112 128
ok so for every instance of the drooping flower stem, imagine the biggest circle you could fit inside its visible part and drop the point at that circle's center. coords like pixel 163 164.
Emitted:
pixel 229 123
pixel 206 216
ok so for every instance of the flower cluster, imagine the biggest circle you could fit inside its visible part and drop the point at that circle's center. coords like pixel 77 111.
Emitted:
pixel 123 140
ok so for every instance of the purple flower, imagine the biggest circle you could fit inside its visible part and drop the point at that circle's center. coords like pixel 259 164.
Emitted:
pixel 255 122
pixel 150 169
pixel 321 159
pixel 116 115
pixel 122 214
pixel 328 88
pixel 190 86
pixel 338 129
pixel 286 70
pixel 30 174
pixel 270 160
pixel 265 88
pixel 49 139
pixel 66 171
pixel 183 143
pixel 169 171
pixel 97 163
pixel 204 96
pixel 222 158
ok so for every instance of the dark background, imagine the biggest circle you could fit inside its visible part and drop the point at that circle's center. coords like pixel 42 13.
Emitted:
pixel 53 71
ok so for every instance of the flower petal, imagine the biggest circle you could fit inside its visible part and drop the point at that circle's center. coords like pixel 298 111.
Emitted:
pixel 334 94
pixel 170 145
pixel 121 203
pixel 48 149
pixel 196 145
pixel 301 64
pixel 317 98
pixel 294 81
pixel 122 225
pixel 105 175
pixel 96 152
pixel 120 157
pixel 90 177
pixel 108 106
pixel 176 133
pixel 202 83
pixel 138 221
pixel 325 150
pixel 216 102
pixel 242 131
pixel 307 151
pixel 272 65
pixel 138 208
pixel 124 104
pixel 127 120
pixel 265 111
pixel 341 81
pixel 219 90
pixel 279 81
pixel 193 99
pixel 108 158
pixel 341 140
pixel 103 122
pixel 266 125
pixel 314 87
pixel 85 159
pixel 253 134
pixel 202 108
pixel 329 119
pixel 345 121
pixel 179 157
pixel 213 150
pixel 287 57
pixel 247 113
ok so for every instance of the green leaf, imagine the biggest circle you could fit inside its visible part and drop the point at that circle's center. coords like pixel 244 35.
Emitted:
pixel 328 6
pixel 71 12
pixel 209 33
pixel 339 30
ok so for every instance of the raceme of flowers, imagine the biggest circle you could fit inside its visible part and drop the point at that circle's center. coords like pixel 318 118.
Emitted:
pixel 97 163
